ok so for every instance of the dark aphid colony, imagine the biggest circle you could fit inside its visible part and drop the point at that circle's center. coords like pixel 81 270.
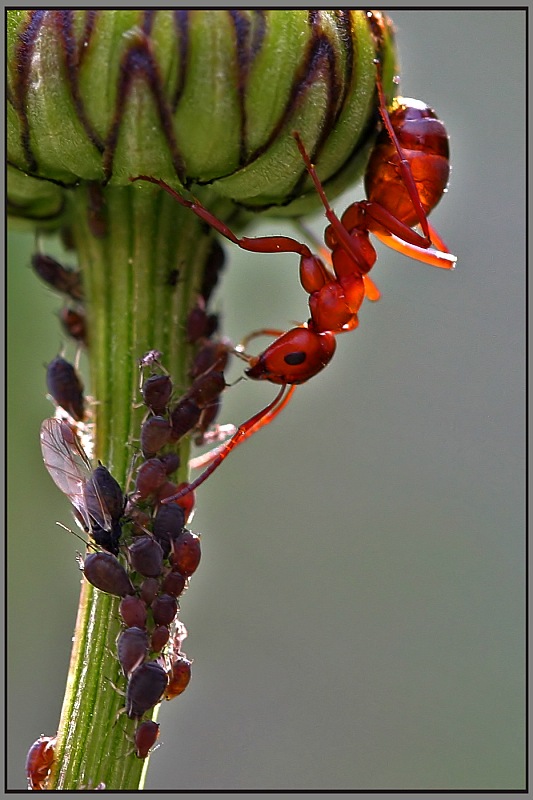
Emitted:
pixel 143 553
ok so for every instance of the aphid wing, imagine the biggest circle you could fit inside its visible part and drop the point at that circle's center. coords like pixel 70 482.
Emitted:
pixel 95 505
pixel 70 469
pixel 65 466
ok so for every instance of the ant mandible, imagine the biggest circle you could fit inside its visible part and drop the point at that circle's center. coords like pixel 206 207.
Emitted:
pixel 406 176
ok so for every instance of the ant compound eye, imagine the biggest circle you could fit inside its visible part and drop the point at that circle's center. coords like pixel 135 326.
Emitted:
pixel 296 358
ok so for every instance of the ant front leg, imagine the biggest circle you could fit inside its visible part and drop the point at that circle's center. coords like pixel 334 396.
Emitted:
pixel 258 244
pixel 243 432
pixel 293 358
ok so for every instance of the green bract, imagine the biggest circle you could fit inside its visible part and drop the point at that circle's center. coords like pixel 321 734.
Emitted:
pixel 192 97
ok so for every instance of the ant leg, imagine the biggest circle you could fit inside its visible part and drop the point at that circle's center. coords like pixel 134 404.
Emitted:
pixel 435 258
pixel 398 235
pixel 270 416
pixel 208 458
pixel 411 244
pixel 243 344
pixel 404 166
pixel 436 239
pixel 243 432
pixel 350 245
pixel 258 244
pixel 371 290
pixel 221 434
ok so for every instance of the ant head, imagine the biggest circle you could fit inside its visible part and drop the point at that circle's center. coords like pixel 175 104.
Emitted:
pixel 294 357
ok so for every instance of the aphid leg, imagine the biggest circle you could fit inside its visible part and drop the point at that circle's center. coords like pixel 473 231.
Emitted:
pixel 129 477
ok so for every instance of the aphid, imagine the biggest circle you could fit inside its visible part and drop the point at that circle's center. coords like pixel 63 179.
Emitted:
pixel 197 322
pixel 39 762
pixel 150 476
pixel 206 388
pixel 160 637
pixel 183 417
pixel 212 355
pixel 168 524
pixel 156 392
pixel 213 268
pixel 178 678
pixel 105 572
pixel 149 589
pixel 66 388
pixel 62 279
pixel 133 611
pixel 70 469
pixel 74 324
pixel 145 555
pixel 406 177
pixel 132 649
pixel 145 688
pixel 103 485
pixel 164 609
pixel 170 461
pixel 146 736
pixel 185 552
pixel 174 583
pixel 155 433
pixel 150 358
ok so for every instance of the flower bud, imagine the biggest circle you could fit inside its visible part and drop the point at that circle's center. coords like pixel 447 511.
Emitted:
pixel 190 96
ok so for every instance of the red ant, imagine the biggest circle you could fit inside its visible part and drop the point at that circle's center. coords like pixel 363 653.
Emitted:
pixel 406 176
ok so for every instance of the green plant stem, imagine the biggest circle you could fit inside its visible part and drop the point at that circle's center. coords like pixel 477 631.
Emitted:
pixel 132 306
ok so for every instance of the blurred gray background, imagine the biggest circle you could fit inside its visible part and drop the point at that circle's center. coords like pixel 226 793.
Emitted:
pixel 357 621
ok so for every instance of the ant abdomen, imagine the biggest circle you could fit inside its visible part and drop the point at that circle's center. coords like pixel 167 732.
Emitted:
pixel 424 143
